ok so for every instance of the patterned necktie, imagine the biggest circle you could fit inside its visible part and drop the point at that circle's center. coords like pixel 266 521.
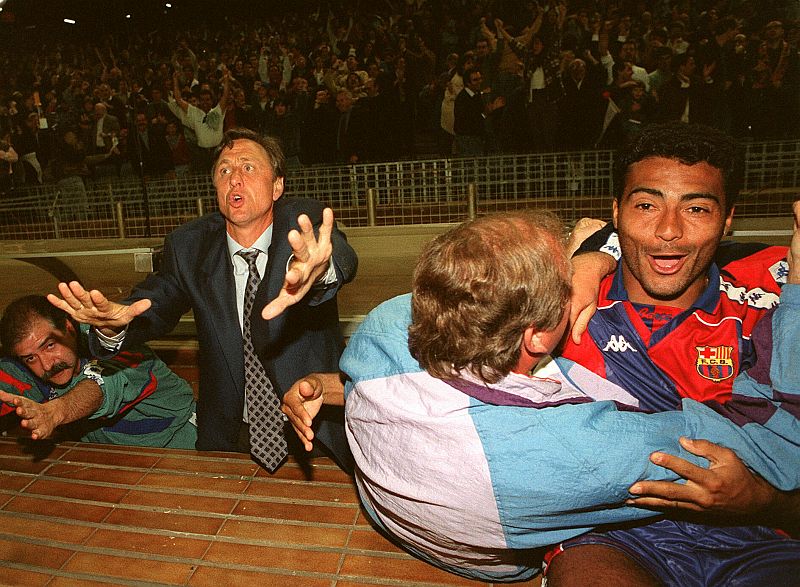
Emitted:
pixel 267 439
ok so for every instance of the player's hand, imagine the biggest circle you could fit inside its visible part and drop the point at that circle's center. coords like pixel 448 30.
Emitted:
pixel 726 487
pixel 92 307
pixel 584 228
pixel 588 271
pixel 300 404
pixel 311 257
pixel 40 419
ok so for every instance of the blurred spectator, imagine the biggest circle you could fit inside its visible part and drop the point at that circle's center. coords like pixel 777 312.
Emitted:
pixel 523 50
pixel 685 96
pixel 179 149
pixel 351 129
pixel 206 121
pixel 148 149
pixel 33 148
pixel 8 157
pixel 580 109
pixel 285 126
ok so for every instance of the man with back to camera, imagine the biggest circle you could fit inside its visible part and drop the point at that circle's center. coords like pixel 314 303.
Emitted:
pixel 469 461
pixel 203 270
pixel 49 380
pixel 672 323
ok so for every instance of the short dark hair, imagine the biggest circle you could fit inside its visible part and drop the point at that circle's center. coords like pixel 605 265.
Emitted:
pixel 20 314
pixel 271 145
pixel 689 144
pixel 477 287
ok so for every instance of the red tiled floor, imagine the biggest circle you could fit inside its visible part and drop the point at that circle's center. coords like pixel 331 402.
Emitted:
pixel 304 491
pixel 180 502
pixel 243 467
pixel 57 508
pixel 110 457
pixel 98 474
pixel 18 577
pixel 140 569
pixel 213 577
pixel 305 534
pixel 172 521
pixel 190 481
pixel 298 512
pixel 77 491
pixel 273 558
pixel 362 539
pixel 23 465
pixel 33 554
pixel 44 529
pixel 14 482
pixel 172 546
pixel 400 569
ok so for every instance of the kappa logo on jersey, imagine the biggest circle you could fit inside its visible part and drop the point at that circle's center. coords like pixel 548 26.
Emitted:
pixel 618 344
pixel 94 372
pixel 715 362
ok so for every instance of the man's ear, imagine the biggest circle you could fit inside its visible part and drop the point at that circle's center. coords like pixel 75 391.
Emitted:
pixel 614 211
pixel 726 230
pixel 277 188
pixel 532 341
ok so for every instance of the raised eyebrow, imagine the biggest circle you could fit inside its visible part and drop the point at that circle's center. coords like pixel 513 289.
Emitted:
pixel 649 191
pixel 701 196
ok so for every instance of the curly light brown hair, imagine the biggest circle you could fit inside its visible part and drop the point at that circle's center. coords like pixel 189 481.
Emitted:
pixel 478 287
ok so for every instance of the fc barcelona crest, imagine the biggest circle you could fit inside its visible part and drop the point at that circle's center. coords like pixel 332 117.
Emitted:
pixel 715 362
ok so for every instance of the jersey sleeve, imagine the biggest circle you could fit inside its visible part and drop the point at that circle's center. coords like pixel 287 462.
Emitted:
pixel 16 379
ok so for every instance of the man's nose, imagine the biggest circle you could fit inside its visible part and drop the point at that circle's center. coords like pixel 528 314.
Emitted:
pixel 670 226
pixel 235 177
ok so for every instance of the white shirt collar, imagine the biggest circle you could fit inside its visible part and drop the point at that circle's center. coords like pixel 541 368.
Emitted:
pixel 262 244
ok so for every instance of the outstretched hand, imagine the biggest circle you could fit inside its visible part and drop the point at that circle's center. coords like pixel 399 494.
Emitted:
pixel 311 256
pixel 92 307
pixel 40 419
pixel 305 398
pixel 726 487
pixel 300 404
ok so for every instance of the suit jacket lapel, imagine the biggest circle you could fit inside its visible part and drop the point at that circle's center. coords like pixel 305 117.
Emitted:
pixel 218 279
pixel 264 332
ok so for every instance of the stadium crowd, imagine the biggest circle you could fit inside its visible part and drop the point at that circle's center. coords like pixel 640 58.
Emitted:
pixel 338 82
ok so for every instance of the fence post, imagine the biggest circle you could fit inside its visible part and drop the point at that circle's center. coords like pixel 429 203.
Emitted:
pixel 472 196
pixel 120 220
pixel 371 207
pixel 201 210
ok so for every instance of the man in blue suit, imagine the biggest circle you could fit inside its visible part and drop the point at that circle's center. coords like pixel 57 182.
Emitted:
pixel 294 322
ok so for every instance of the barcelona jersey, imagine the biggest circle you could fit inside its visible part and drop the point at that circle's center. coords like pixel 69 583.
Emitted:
pixel 662 354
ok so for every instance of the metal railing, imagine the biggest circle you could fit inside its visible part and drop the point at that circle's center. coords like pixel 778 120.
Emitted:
pixel 572 184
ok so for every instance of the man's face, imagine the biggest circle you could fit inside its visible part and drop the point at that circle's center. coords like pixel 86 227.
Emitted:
pixel 343 102
pixel 475 80
pixel 50 353
pixel 246 186
pixel 482 48
pixel 551 339
pixel 628 52
pixel 670 219
pixel 205 102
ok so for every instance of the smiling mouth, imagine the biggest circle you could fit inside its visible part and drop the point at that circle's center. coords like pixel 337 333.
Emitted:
pixel 666 264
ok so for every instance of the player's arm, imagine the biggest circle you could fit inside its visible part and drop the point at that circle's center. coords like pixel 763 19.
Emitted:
pixel 42 419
